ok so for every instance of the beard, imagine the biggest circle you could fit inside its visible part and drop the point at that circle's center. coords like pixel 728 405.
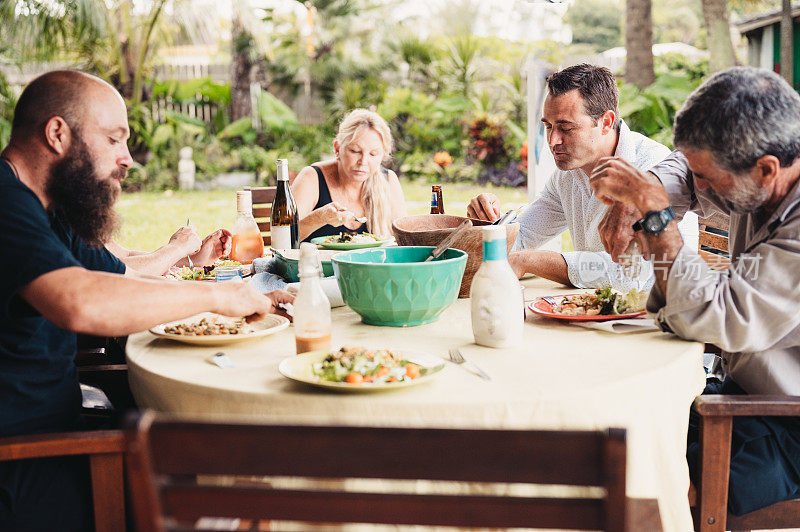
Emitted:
pixel 747 196
pixel 84 199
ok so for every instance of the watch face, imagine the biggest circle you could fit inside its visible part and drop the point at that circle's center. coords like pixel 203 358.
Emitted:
pixel 653 223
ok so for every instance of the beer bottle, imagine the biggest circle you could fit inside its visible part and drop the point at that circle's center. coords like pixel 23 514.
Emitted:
pixel 437 203
pixel 283 224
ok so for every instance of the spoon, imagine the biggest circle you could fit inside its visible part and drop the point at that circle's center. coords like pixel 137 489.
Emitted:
pixel 449 239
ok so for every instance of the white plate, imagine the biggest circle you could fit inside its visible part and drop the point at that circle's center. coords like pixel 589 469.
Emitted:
pixel 271 323
pixel 300 368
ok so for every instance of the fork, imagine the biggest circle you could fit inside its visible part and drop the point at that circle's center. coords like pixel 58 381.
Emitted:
pixel 188 258
pixel 457 358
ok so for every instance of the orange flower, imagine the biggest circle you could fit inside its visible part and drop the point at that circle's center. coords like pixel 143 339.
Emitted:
pixel 443 159
pixel 523 152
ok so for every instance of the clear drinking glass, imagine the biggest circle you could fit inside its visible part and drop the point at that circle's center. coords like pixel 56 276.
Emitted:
pixel 631 260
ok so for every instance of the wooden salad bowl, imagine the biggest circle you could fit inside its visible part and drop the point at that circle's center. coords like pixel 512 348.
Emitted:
pixel 430 229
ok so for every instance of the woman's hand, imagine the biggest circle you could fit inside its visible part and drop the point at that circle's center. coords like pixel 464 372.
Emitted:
pixel 335 214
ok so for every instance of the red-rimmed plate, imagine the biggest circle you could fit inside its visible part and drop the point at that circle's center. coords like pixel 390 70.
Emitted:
pixel 544 307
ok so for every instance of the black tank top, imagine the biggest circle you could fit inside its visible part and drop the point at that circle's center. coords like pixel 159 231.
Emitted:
pixel 324 199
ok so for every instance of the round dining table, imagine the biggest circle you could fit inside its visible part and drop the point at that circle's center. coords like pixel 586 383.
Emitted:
pixel 561 376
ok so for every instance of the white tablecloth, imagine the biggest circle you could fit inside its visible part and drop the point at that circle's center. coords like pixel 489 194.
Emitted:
pixel 561 377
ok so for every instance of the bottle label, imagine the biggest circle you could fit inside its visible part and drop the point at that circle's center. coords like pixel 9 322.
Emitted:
pixel 434 200
pixel 495 250
pixel 281 236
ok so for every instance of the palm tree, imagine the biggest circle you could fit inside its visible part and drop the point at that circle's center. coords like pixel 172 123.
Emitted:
pixel 787 50
pixel 106 37
pixel 720 47
pixel 242 64
pixel 639 43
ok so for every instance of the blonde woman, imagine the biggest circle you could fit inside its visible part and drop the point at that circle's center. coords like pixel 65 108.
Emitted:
pixel 352 192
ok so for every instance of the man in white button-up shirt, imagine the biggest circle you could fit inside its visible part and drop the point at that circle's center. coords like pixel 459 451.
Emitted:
pixel 739 134
pixel 582 121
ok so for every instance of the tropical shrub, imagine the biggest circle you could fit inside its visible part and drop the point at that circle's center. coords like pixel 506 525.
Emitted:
pixel 651 110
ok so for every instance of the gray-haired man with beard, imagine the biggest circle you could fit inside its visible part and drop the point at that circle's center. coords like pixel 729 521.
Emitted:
pixel 59 179
pixel 739 134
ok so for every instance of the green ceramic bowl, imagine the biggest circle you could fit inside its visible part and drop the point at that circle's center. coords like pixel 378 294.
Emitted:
pixel 393 286
pixel 287 264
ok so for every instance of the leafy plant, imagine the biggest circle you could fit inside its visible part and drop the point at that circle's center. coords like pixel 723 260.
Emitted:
pixel 8 99
pixel 651 110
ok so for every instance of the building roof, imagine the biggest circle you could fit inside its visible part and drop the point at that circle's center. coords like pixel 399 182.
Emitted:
pixel 767 18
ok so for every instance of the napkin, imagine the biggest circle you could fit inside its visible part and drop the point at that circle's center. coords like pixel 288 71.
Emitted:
pixel 629 325
pixel 329 285
pixel 267 282
pixel 263 264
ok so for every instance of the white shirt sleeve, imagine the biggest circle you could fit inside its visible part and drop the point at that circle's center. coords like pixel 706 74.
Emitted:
pixel 541 220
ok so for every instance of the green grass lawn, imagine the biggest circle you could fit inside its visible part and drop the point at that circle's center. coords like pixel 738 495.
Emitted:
pixel 149 218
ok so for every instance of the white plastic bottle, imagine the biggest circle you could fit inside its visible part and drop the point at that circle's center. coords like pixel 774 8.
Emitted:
pixel 496 297
pixel 312 310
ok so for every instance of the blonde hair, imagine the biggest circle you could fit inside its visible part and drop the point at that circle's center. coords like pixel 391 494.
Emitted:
pixel 375 194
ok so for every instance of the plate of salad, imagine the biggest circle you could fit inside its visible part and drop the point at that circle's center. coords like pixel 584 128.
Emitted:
pixel 199 273
pixel 345 241
pixel 359 369
pixel 600 305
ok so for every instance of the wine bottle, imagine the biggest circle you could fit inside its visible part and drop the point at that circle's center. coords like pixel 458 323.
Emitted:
pixel 284 221
pixel 247 243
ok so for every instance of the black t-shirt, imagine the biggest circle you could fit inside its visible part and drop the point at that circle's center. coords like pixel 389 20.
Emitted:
pixel 39 390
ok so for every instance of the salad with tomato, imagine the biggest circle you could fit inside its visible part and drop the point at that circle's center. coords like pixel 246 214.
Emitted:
pixel 359 366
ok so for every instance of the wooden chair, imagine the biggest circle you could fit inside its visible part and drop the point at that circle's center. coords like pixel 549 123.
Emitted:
pixel 713 247
pixel 101 365
pixel 710 511
pixel 105 451
pixel 262 209
pixel 714 241
pixel 166 454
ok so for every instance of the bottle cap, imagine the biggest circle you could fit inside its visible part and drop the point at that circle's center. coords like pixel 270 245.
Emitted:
pixel 493 232
pixel 283 169
pixel 309 260
pixel 244 201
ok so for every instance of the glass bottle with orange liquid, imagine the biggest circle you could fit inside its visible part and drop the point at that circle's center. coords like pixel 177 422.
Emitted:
pixel 312 309
pixel 247 243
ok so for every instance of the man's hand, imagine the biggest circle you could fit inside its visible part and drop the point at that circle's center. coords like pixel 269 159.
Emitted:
pixel 615 179
pixel 239 299
pixel 214 246
pixel 280 297
pixel 630 193
pixel 616 228
pixel 484 206
pixel 185 240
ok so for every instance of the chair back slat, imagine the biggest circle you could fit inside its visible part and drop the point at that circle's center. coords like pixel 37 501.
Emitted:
pixel 262 210
pixel 177 450
pixel 542 457
pixel 188 503
pixel 713 241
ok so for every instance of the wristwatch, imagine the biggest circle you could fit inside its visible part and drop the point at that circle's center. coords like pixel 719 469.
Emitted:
pixel 654 222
